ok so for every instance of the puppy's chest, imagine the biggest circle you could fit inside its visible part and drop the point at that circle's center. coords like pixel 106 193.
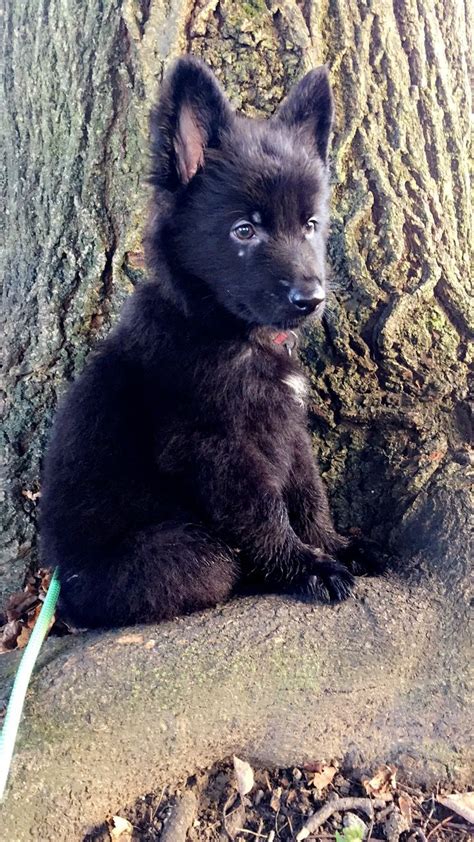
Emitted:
pixel 296 387
pixel 270 383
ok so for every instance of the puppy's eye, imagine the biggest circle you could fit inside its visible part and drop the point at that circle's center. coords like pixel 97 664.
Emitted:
pixel 244 231
pixel 310 226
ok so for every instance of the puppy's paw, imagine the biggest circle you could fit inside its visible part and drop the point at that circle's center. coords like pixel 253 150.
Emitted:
pixel 363 557
pixel 330 582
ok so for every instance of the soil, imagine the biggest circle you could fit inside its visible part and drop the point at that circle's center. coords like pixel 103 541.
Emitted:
pixel 281 801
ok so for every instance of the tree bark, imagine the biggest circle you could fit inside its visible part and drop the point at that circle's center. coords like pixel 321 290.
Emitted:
pixel 114 715
pixel 387 671
pixel 389 368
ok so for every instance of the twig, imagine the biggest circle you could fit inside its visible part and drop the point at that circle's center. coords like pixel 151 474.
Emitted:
pixel 440 824
pixel 371 827
pixel 428 815
pixel 155 812
pixel 230 801
pixel 337 805
pixel 463 827
pixel 282 828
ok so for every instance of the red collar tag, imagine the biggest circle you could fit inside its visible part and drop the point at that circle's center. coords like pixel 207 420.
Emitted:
pixel 280 337
pixel 286 339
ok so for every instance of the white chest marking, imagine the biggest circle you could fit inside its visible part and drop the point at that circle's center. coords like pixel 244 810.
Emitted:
pixel 298 386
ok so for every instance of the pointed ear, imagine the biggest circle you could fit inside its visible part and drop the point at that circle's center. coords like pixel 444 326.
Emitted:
pixel 189 118
pixel 309 105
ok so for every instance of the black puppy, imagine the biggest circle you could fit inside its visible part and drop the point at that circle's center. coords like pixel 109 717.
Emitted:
pixel 180 465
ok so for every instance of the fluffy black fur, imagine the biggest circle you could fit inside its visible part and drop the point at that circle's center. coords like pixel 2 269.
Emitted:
pixel 180 466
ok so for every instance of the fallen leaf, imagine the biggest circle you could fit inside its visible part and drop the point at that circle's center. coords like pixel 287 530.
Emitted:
pixel 10 634
pixel 45 575
pixel 383 783
pixel 405 804
pixel 244 775
pixel 291 796
pixel 275 799
pixel 23 637
pixel 460 803
pixel 323 778
pixel 118 826
pixel 314 766
pixel 33 615
pixel 18 603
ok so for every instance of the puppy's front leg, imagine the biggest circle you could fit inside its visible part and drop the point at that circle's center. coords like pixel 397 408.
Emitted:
pixel 307 501
pixel 246 507
pixel 310 517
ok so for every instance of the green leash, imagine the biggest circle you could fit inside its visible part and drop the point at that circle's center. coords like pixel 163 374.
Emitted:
pixel 22 679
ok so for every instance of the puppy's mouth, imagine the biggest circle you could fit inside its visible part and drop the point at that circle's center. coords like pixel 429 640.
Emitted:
pixel 280 318
pixel 290 322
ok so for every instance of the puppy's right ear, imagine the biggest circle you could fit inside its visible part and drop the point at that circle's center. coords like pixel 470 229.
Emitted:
pixel 309 107
pixel 189 118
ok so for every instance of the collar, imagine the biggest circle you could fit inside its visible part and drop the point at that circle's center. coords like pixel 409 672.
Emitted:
pixel 287 339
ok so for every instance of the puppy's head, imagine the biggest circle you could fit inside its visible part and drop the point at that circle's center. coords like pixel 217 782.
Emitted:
pixel 248 214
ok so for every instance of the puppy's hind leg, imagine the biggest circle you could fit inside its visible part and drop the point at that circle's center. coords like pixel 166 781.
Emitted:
pixel 156 574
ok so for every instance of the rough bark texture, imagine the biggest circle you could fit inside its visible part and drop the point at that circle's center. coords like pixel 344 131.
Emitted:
pixel 389 371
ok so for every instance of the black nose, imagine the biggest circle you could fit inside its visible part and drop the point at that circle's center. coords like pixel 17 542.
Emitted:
pixel 306 303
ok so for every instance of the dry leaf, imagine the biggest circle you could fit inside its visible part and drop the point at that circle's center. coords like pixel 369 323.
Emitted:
pixel 244 775
pixel 405 804
pixel 460 803
pixel 118 826
pixel 383 783
pixel 10 634
pixel 18 603
pixel 314 766
pixel 45 574
pixel 23 637
pixel 323 778
pixel 33 615
pixel 275 799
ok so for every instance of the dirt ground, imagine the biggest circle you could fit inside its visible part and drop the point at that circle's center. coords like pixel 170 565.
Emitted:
pixel 208 807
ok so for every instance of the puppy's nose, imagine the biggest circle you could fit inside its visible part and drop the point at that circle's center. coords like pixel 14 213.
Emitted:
pixel 306 302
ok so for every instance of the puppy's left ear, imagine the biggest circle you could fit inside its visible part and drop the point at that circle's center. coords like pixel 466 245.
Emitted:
pixel 309 106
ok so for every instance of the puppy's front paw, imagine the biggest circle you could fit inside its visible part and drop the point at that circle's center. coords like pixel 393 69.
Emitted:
pixel 330 582
pixel 363 557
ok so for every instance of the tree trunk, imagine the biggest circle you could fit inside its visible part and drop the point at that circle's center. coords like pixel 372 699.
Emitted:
pixel 389 369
